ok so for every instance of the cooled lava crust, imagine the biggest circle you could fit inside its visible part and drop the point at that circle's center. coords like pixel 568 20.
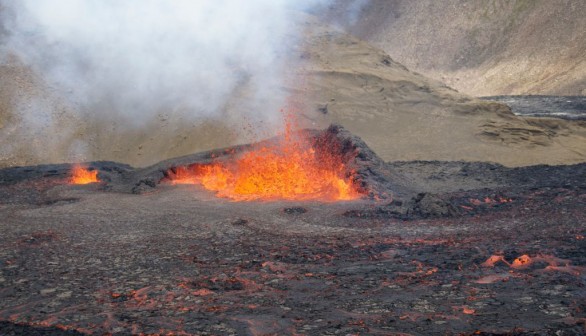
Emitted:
pixel 433 248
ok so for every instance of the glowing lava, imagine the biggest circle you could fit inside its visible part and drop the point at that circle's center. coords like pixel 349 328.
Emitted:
pixel 522 261
pixel 292 169
pixel 82 175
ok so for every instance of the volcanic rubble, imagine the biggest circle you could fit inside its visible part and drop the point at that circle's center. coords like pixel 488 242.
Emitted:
pixel 446 248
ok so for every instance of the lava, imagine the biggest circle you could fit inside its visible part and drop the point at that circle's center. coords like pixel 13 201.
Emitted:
pixel 82 175
pixel 293 168
pixel 468 311
pixel 522 261
pixel 525 261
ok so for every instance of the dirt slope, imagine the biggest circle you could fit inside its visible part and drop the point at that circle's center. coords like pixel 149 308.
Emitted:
pixel 400 114
pixel 480 47
pixel 404 116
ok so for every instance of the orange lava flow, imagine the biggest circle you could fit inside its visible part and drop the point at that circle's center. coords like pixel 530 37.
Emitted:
pixel 82 175
pixel 289 170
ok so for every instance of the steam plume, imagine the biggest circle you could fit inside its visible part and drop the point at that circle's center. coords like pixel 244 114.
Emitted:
pixel 124 64
pixel 137 57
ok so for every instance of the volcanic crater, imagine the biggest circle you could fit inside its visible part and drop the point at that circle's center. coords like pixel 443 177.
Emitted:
pixel 425 248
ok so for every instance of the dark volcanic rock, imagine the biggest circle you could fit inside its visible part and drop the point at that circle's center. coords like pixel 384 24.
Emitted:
pixel 14 329
pixel 423 205
pixel 427 205
pixel 564 107
pixel 295 210
pixel 144 186
pixel 368 169
pixel 107 172
pixel 488 250
pixel 402 190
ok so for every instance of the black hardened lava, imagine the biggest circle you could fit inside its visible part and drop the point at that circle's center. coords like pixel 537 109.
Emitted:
pixel 402 190
pixel 369 171
pixel 434 248
pixel 563 107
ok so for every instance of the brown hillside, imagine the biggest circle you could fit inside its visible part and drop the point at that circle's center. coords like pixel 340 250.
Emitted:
pixel 481 47
pixel 400 114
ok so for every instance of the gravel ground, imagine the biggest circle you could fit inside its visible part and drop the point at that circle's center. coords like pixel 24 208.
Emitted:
pixel 179 261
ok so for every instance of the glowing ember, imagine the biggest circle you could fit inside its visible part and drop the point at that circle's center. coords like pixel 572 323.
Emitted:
pixel 468 311
pixel 522 261
pixel 82 175
pixel 492 260
pixel 292 169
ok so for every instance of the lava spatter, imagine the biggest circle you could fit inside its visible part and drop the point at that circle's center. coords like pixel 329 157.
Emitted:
pixel 82 175
pixel 293 168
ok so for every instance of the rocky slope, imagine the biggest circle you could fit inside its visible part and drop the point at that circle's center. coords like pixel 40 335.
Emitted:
pixel 402 115
pixel 480 47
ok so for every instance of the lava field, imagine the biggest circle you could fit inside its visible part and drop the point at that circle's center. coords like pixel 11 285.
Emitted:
pixel 429 248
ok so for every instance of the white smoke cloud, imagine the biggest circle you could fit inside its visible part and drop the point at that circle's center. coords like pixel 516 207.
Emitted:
pixel 137 57
pixel 130 63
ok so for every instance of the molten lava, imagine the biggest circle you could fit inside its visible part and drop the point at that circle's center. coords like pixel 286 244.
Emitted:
pixel 82 175
pixel 292 169
pixel 522 261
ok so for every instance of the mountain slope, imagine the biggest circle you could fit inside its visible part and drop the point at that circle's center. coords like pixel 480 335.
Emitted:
pixel 480 47
pixel 405 116
pixel 334 77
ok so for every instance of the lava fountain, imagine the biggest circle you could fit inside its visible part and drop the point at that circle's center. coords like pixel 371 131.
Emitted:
pixel 291 168
pixel 82 175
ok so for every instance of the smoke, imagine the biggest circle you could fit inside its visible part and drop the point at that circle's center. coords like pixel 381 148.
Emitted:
pixel 138 57
pixel 129 62
pixel 112 78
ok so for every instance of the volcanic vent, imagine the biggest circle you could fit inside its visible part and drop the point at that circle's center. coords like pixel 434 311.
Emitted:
pixel 491 251
pixel 328 165
pixel 82 175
